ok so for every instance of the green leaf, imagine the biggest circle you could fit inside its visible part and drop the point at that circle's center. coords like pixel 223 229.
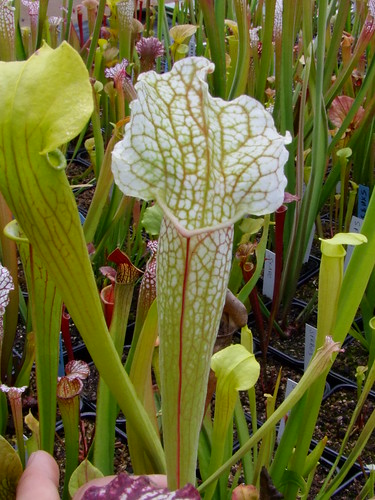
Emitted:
pixel 251 226
pixel 346 239
pixel 10 469
pixel 333 247
pixel 289 477
pixel 152 219
pixel 237 366
pixel 179 33
pixel 55 115
pixel 33 443
pixel 236 369
pixel 41 199
pixel 84 473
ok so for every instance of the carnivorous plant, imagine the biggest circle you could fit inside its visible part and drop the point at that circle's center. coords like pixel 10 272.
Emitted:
pixel 207 162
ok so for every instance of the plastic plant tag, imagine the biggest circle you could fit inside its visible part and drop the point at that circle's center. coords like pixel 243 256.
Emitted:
pixel 363 199
pixel 269 274
pixel 309 245
pixel 206 162
pixel 310 340
pixel 355 227
pixel 290 385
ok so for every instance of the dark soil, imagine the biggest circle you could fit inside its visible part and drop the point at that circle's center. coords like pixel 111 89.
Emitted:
pixel 334 418
pixel 81 176
pixel 346 363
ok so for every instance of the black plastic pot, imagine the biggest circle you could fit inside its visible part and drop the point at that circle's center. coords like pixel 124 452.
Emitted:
pixel 341 420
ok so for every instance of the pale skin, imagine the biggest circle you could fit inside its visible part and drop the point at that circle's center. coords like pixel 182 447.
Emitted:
pixel 41 478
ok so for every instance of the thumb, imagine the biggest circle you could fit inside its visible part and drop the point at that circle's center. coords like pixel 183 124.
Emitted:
pixel 40 479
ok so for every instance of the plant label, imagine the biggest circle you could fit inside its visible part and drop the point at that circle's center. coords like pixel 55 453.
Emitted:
pixel 61 368
pixel 355 227
pixel 363 199
pixel 269 274
pixel 290 385
pixel 310 340
pixel 309 245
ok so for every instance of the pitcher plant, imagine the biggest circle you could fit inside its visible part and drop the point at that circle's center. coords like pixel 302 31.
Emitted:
pixel 206 162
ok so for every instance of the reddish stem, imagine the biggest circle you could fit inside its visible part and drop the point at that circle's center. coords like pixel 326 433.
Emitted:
pixel 279 250
pixel 80 25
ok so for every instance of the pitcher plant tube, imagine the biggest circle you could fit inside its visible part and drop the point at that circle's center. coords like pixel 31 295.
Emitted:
pixel 206 162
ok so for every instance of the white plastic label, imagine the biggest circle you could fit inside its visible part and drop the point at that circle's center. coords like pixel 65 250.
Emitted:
pixel 290 385
pixel 355 227
pixel 310 341
pixel 269 274
pixel 309 245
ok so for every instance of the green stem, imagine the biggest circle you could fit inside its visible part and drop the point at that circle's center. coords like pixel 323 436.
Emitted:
pixel 106 412
pixel 161 9
pixel 215 35
pixel 243 59
pixel 267 49
pixel 96 33
pixel 103 186
pixel 310 201
pixel 318 366
pixel 43 7
pixel 260 252
pixel 46 310
pixel 68 20
pixel 69 409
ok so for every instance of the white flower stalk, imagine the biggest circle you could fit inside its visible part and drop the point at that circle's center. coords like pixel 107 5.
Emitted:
pixel 207 162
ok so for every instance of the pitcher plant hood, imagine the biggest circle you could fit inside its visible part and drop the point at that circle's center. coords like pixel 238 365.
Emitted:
pixel 205 160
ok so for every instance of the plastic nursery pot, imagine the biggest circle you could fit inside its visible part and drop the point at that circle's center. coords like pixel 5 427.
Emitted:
pixel 345 367
pixel 292 347
pixel 351 487
pixel 81 154
pixel 289 370
pixel 87 417
pixel 334 417
pixel 309 270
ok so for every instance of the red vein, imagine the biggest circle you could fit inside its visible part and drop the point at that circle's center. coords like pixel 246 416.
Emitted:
pixel 184 286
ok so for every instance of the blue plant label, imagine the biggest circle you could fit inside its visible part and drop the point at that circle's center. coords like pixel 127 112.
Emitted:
pixel 355 227
pixel 309 245
pixel 310 340
pixel 290 385
pixel 61 368
pixel 363 200
pixel 269 274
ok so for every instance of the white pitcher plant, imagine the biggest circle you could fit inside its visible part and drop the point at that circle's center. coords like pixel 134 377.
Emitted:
pixel 206 162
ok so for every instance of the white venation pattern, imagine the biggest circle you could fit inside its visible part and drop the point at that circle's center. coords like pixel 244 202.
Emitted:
pixel 207 161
